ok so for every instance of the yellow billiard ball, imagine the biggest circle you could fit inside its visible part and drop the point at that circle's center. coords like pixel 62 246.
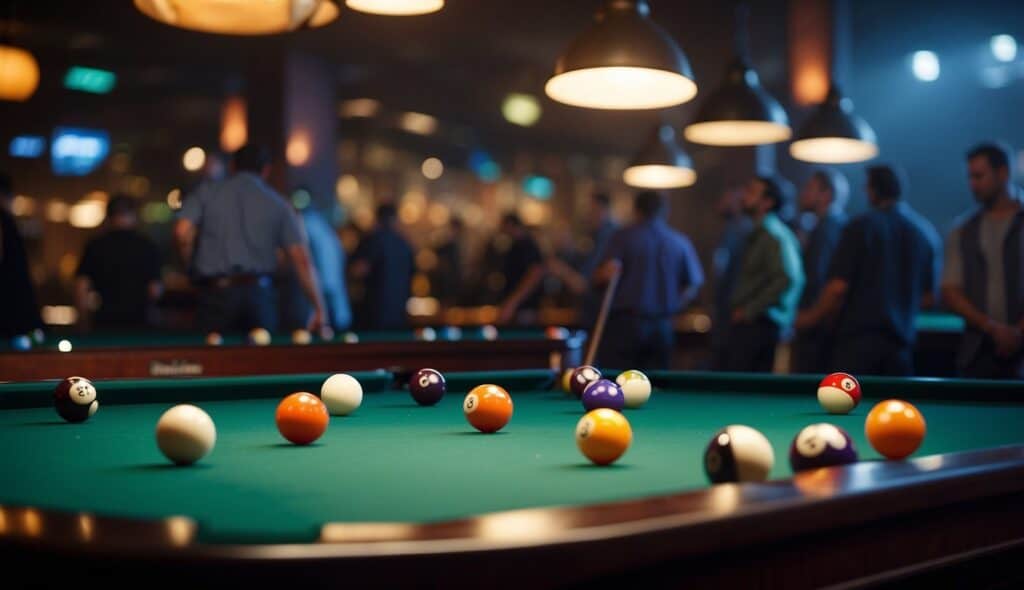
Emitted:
pixel 603 435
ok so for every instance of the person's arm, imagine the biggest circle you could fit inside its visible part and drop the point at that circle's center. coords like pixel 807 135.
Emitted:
pixel 576 281
pixel 300 259
pixel 841 270
pixel 692 277
pixel 185 240
pixel 833 294
pixel 527 285
pixel 83 296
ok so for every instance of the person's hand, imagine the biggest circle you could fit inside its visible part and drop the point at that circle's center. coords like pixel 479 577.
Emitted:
pixel 1007 338
pixel 316 320
pixel 739 316
pixel 506 313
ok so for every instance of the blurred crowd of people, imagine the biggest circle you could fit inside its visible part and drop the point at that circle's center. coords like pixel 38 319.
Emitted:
pixel 844 292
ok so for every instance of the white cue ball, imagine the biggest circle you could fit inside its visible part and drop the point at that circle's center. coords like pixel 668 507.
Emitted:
pixel 185 434
pixel 636 388
pixel 342 394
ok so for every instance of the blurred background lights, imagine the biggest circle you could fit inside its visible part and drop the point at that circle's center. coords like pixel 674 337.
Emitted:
pixel 925 65
pixel 521 109
pixel 396 7
pixel 1004 47
pixel 301 199
pixel 432 168
pixel 540 187
pixel 418 123
pixel 193 159
pixel 359 107
pixel 174 199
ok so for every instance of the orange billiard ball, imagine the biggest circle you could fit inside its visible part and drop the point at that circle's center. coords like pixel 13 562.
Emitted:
pixel 895 428
pixel 488 408
pixel 301 418
pixel 603 435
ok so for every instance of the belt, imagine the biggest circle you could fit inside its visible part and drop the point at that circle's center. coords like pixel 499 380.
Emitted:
pixel 235 280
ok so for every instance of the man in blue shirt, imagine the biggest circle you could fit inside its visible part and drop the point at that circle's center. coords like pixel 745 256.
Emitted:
pixel 882 271
pixel 823 197
pixel 768 282
pixel 384 262
pixel 229 234
pixel 660 276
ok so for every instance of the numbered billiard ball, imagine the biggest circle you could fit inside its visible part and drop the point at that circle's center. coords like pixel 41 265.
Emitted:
pixel 602 394
pixel 839 393
pixel 301 418
pixel 556 333
pixel 564 381
pixel 738 453
pixel 821 445
pixel 259 337
pixel 452 333
pixel 427 387
pixel 342 394
pixel 895 428
pixel 38 336
pixel 426 334
pixel 603 435
pixel 636 388
pixel 214 339
pixel 302 337
pixel 581 378
pixel 75 399
pixel 185 434
pixel 488 408
pixel 21 342
pixel 350 337
pixel 489 332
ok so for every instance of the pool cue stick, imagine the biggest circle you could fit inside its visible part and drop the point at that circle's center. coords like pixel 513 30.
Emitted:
pixel 602 317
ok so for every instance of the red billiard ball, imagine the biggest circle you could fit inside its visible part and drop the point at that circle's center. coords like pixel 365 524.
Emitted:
pixel 427 387
pixel 839 393
pixel 301 418
pixel 75 399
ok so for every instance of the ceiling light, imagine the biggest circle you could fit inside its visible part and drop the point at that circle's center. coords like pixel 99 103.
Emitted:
pixel 240 17
pixel 661 163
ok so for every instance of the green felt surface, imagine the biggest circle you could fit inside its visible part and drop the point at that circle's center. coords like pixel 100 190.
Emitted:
pixel 395 461
pixel 182 339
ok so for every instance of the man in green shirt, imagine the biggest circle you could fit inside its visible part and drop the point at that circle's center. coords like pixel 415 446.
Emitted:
pixel 768 284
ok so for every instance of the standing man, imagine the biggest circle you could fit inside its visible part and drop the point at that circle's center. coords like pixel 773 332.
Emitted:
pixel 448 279
pixel 768 283
pixel 725 266
pixel 824 196
pixel 19 313
pixel 523 268
pixel 384 262
pixel 122 266
pixel 982 280
pixel 229 234
pixel 880 275
pixel 660 276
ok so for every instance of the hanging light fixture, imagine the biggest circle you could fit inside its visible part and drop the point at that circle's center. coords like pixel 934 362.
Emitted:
pixel 19 73
pixel 240 17
pixel 740 111
pixel 623 61
pixel 834 134
pixel 661 164
pixel 396 7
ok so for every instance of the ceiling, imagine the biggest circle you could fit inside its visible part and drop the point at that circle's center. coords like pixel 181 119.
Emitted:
pixel 457 64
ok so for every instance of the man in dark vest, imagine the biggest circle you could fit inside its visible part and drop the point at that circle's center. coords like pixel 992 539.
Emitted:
pixel 19 313
pixel 982 280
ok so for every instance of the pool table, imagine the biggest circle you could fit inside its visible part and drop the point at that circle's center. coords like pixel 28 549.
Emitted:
pixel 402 494
pixel 142 355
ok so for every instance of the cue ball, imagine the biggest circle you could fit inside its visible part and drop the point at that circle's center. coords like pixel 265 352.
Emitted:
pixel 301 337
pixel 427 387
pixel 214 339
pixel 259 337
pixel 603 435
pixel 636 388
pixel 185 434
pixel 488 408
pixel 342 394
pixel 581 378
pixel 738 453
pixel 75 399
pixel 821 445
pixel 895 428
pixel 839 393
pixel 301 418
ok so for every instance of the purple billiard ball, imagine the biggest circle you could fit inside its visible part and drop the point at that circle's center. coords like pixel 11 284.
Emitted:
pixel 582 377
pixel 75 399
pixel 603 394
pixel 427 387
pixel 821 445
